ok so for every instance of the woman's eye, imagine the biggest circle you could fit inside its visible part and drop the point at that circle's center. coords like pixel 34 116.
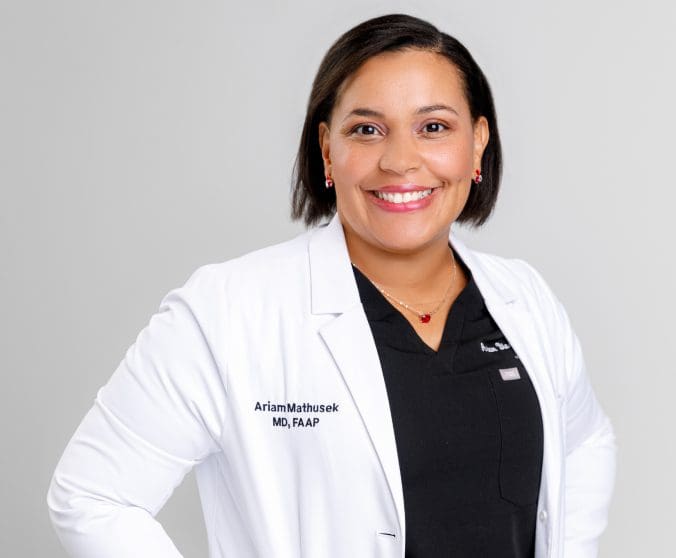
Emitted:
pixel 434 127
pixel 365 130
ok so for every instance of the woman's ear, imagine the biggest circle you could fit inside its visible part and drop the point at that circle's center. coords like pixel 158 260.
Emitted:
pixel 481 135
pixel 324 145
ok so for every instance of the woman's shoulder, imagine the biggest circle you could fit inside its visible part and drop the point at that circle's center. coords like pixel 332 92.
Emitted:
pixel 257 270
pixel 508 278
pixel 516 283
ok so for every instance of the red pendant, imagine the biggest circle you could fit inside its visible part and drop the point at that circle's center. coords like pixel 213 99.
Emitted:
pixel 425 318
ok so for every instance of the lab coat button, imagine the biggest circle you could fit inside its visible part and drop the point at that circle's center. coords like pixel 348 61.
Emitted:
pixel 543 515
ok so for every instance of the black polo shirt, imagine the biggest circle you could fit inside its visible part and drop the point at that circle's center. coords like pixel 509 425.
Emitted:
pixel 468 430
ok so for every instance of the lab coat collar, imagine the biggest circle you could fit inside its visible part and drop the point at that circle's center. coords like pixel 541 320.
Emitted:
pixel 334 289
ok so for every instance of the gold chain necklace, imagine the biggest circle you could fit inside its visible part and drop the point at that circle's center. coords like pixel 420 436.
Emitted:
pixel 424 317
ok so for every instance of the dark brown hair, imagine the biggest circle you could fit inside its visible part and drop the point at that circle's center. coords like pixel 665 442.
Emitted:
pixel 311 201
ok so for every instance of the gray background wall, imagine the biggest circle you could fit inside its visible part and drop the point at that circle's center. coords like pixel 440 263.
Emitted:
pixel 139 140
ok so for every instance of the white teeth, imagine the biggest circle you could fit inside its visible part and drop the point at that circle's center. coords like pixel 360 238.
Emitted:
pixel 398 197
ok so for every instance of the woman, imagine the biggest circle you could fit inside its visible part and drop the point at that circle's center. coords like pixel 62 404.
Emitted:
pixel 372 387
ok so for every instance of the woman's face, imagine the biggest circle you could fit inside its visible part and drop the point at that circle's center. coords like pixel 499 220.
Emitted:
pixel 401 148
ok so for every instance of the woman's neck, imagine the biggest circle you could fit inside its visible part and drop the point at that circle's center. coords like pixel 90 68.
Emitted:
pixel 418 275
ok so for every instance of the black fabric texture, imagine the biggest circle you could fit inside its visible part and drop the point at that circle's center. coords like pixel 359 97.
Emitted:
pixel 469 441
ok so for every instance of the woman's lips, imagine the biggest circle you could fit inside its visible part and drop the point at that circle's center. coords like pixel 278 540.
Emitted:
pixel 401 198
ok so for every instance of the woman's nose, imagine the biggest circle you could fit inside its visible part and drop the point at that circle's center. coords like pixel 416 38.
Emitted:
pixel 400 154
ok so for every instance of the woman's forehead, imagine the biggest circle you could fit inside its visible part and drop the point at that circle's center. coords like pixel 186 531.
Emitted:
pixel 403 80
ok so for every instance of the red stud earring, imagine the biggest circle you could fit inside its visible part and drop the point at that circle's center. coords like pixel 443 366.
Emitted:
pixel 478 178
pixel 328 182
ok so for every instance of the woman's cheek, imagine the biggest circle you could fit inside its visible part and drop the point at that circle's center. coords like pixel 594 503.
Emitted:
pixel 450 162
pixel 352 163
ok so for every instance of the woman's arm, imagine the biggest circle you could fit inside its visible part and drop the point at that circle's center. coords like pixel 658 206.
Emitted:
pixel 159 414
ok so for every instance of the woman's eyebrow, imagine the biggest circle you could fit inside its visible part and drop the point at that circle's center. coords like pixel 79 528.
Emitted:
pixel 363 111
pixel 433 108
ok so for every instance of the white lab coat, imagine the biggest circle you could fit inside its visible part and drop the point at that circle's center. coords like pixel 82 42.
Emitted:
pixel 285 325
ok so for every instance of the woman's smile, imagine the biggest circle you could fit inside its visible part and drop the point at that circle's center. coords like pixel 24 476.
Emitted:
pixel 405 197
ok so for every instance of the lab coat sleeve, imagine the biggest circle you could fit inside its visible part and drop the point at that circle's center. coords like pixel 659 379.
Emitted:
pixel 590 458
pixel 159 414
pixel 589 439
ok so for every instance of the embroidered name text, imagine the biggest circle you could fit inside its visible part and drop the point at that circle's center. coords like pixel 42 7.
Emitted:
pixel 497 346
pixel 297 407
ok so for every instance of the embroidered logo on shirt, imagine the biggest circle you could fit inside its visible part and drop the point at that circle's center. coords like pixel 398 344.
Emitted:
pixel 497 346
pixel 508 374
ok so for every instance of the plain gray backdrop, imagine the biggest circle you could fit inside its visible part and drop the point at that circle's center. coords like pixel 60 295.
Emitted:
pixel 139 140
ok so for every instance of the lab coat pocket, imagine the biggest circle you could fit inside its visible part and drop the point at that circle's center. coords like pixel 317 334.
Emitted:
pixel 388 544
pixel 521 435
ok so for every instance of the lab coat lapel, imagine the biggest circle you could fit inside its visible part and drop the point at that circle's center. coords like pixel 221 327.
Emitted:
pixel 349 339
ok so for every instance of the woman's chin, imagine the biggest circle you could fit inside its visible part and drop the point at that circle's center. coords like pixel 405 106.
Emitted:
pixel 397 235
pixel 408 242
